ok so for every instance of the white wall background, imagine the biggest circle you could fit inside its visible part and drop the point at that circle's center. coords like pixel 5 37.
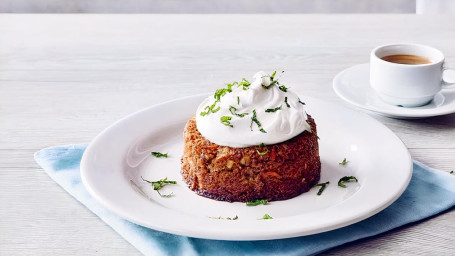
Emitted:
pixel 207 6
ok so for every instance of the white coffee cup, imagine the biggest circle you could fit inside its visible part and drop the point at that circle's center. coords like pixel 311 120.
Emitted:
pixel 407 85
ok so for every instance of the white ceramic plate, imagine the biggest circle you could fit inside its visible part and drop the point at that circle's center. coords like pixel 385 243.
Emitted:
pixel 116 159
pixel 353 86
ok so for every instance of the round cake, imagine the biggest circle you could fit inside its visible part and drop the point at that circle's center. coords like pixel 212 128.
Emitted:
pixel 239 172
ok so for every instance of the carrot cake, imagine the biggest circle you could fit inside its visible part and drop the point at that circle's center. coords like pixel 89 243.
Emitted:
pixel 251 141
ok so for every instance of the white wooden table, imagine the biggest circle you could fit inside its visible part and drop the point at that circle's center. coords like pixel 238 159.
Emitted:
pixel 63 78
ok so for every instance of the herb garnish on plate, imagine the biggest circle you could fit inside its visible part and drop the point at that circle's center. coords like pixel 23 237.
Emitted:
pixel 228 218
pixel 159 184
pixel 158 154
pixel 346 179
pixel 256 202
pixel 322 185
pixel 344 162
pixel 266 217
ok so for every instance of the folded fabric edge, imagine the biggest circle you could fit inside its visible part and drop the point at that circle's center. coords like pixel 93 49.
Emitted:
pixel 387 231
pixel 116 223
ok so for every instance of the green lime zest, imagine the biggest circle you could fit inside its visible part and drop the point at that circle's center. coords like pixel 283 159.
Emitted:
pixel 255 120
pixel 286 101
pixel 233 111
pixel 262 152
pixel 226 120
pixel 270 110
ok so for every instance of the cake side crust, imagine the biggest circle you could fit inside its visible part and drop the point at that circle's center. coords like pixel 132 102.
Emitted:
pixel 224 173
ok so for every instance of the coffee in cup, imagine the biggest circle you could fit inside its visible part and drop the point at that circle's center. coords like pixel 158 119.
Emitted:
pixel 407 75
pixel 407 59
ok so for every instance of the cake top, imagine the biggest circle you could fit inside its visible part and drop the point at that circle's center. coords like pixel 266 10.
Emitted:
pixel 248 114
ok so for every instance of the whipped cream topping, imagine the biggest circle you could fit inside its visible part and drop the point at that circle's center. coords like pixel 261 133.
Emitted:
pixel 250 114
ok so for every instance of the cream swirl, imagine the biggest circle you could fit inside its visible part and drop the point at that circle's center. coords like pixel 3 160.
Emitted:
pixel 250 115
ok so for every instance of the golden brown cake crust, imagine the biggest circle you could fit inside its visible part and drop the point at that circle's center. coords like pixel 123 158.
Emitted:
pixel 241 174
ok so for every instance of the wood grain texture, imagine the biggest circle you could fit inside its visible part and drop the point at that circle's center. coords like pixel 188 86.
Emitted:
pixel 64 78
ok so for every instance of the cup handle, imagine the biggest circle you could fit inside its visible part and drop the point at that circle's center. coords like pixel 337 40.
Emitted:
pixel 445 84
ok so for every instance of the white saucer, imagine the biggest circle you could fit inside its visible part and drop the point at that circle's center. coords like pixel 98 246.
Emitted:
pixel 353 86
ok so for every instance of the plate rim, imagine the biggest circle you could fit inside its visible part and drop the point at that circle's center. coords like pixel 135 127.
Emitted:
pixel 245 237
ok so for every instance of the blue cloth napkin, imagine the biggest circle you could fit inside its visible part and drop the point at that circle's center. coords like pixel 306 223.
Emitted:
pixel 430 192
